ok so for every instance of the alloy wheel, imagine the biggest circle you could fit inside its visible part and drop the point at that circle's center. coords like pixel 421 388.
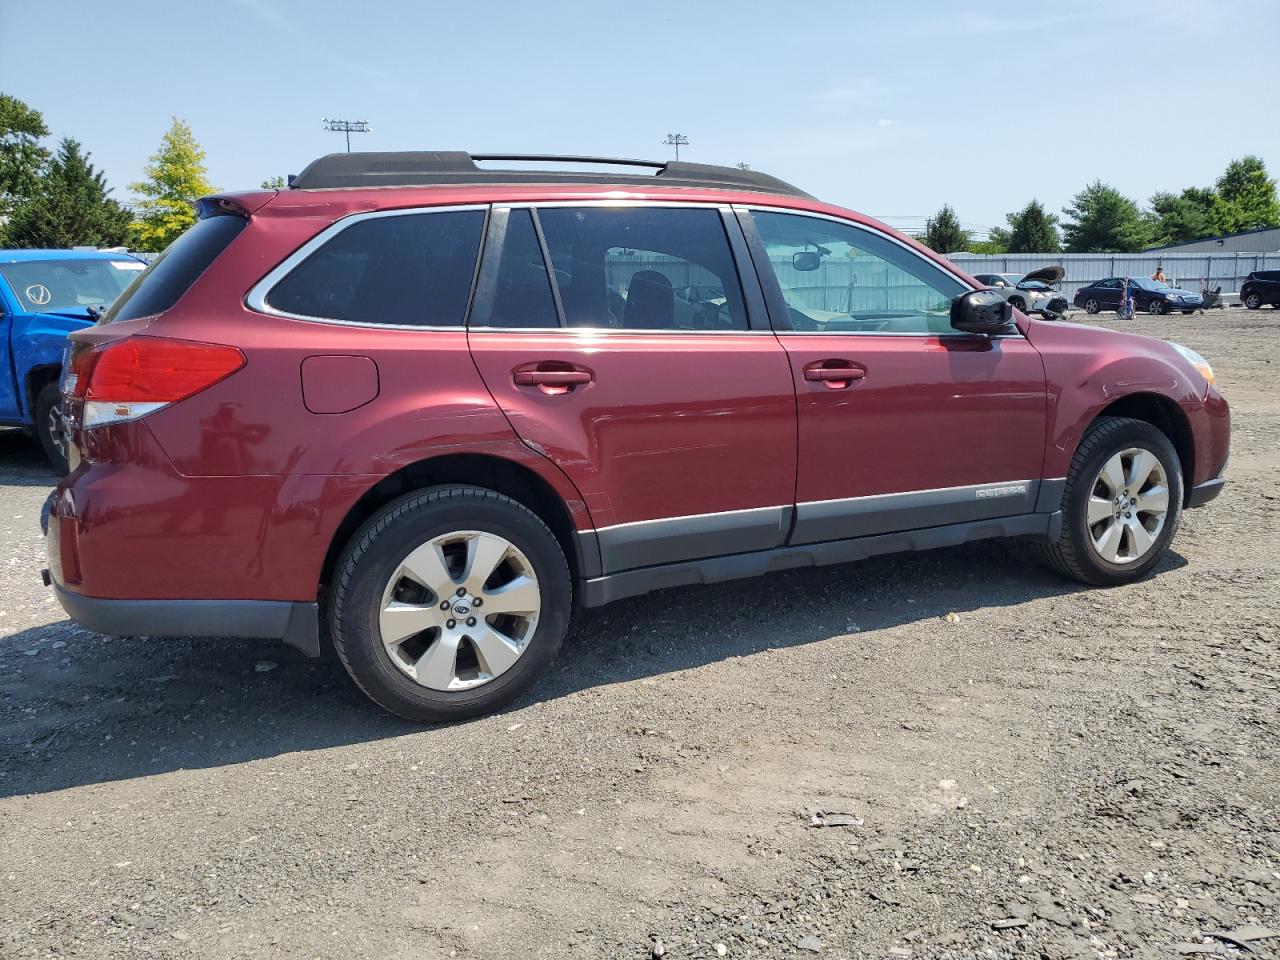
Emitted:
pixel 1155 308
pixel 57 431
pixel 459 610
pixel 1128 504
pixel 1253 301
pixel 1091 306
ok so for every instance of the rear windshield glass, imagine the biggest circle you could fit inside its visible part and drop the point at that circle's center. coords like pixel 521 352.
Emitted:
pixel 174 271
pixel 69 286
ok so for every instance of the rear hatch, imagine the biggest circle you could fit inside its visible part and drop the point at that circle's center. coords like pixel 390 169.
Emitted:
pixel 120 369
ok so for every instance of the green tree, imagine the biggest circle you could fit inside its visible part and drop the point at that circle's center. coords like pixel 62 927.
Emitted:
pixel 943 232
pixel 21 156
pixel 1102 220
pixel 274 183
pixel 1190 215
pixel 1248 197
pixel 71 206
pixel 176 179
pixel 1033 230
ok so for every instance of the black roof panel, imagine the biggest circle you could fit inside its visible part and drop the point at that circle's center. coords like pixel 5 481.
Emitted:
pixel 444 167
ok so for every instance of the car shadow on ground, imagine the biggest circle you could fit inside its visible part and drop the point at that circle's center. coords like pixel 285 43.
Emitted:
pixel 22 462
pixel 78 708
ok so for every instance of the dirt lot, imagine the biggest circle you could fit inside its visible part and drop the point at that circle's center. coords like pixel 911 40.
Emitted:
pixel 1061 772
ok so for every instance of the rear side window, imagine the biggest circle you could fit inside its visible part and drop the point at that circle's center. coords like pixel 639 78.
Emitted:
pixel 171 274
pixel 402 269
pixel 644 268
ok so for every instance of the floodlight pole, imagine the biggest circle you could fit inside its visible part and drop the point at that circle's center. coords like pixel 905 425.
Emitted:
pixel 676 140
pixel 347 127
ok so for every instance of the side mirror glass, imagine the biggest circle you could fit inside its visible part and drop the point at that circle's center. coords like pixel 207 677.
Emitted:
pixel 981 311
pixel 807 261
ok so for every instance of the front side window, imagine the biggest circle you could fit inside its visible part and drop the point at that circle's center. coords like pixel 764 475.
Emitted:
pixel 69 286
pixel 644 268
pixel 403 269
pixel 840 278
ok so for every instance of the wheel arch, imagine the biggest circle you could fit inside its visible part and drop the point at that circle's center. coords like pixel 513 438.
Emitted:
pixel 1167 417
pixel 36 379
pixel 501 474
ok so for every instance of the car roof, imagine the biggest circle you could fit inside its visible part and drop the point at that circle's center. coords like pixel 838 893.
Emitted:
pixel 428 168
pixel 26 256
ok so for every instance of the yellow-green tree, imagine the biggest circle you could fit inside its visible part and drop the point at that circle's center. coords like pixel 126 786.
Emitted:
pixel 176 179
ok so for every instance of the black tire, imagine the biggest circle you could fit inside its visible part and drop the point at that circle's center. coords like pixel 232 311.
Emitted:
pixel 48 427
pixel 1019 303
pixel 1074 555
pixel 1187 313
pixel 1253 301
pixel 378 547
pixel 1155 307
pixel 1091 306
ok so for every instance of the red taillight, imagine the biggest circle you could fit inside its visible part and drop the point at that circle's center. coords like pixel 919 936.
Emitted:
pixel 131 377
pixel 151 370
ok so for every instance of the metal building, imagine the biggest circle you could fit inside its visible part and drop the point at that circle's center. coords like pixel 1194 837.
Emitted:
pixel 1266 240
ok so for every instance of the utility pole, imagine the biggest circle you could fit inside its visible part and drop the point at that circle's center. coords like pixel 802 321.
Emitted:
pixel 348 127
pixel 676 140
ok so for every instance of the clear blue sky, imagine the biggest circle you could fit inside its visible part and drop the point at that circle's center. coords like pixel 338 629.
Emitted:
pixel 889 108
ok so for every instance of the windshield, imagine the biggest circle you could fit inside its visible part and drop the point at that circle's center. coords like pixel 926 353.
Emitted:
pixel 1150 284
pixel 1034 285
pixel 68 286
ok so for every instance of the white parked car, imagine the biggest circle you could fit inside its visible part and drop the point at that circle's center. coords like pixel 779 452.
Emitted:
pixel 1032 292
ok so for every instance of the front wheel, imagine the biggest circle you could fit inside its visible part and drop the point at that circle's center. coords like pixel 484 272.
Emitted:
pixel 49 429
pixel 1091 306
pixel 450 602
pixel 1155 307
pixel 1121 505
pixel 1253 301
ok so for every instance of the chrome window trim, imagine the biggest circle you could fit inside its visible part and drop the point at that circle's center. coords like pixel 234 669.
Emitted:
pixel 949 269
pixel 256 298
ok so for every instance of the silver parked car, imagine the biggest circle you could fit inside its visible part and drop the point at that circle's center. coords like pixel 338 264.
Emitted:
pixel 1032 292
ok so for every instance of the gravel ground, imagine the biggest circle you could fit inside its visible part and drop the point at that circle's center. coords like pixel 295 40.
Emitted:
pixel 953 754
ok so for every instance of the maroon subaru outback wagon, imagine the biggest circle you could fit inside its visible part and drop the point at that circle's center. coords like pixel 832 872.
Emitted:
pixel 422 407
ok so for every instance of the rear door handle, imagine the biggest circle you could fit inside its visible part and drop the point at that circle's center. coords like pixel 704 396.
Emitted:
pixel 834 374
pixel 553 381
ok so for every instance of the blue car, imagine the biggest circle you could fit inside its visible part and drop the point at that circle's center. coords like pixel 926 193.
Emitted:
pixel 44 295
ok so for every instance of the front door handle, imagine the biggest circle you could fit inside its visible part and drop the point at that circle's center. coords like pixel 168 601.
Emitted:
pixel 554 381
pixel 834 374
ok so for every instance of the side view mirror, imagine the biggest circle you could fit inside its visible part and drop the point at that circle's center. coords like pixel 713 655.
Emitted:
pixel 807 261
pixel 981 311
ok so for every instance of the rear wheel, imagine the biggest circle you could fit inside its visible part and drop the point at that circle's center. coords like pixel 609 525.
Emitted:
pixel 49 429
pixel 1091 306
pixel 1121 505
pixel 1253 301
pixel 450 602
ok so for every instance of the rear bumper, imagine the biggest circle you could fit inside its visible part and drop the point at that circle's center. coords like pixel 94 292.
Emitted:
pixel 297 624
pixel 1202 493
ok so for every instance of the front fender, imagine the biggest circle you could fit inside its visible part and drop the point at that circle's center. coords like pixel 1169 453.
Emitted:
pixel 1090 368
pixel 38 340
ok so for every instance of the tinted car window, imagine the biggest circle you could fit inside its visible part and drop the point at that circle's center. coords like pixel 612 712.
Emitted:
pixel 839 278
pixel 622 267
pixel 405 269
pixel 522 295
pixel 171 274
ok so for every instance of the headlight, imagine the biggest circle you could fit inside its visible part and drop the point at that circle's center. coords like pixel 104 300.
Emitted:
pixel 1197 361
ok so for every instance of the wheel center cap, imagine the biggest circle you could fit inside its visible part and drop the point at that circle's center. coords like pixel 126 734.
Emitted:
pixel 462 607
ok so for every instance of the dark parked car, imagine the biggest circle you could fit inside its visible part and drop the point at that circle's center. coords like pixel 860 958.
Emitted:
pixel 1259 288
pixel 1149 295
pixel 449 405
